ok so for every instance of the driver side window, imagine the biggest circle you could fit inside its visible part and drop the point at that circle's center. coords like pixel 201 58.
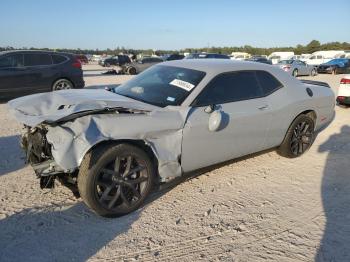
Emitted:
pixel 230 87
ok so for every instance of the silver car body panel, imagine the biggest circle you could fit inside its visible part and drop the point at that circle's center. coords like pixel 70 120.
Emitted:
pixel 178 135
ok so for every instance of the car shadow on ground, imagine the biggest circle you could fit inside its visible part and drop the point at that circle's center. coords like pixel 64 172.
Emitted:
pixel 71 232
pixel 334 245
pixel 58 233
pixel 12 157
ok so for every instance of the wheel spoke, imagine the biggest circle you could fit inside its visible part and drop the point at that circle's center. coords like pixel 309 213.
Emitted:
pixel 125 200
pixel 306 127
pixel 134 190
pixel 134 170
pixel 128 165
pixel 296 132
pixel 294 148
pixel 302 125
pixel 107 191
pixel 114 198
pixel 137 180
pixel 117 165
pixel 300 147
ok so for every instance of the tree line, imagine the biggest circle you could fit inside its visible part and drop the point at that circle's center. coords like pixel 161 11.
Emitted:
pixel 311 47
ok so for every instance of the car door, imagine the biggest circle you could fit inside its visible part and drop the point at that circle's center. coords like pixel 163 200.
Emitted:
pixel 246 117
pixel 40 71
pixel 15 78
pixel 301 68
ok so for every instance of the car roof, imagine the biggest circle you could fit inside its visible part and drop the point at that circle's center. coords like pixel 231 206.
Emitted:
pixel 34 51
pixel 216 65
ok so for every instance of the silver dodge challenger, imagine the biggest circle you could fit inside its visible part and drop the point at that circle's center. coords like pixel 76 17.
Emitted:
pixel 111 147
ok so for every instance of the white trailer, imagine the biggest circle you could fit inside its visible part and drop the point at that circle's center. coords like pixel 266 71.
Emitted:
pixel 320 57
pixel 275 57
pixel 239 56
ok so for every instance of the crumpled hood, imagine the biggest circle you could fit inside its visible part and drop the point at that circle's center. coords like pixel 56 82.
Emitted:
pixel 52 106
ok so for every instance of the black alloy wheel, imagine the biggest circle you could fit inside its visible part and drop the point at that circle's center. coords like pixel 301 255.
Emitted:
pixel 115 181
pixel 301 139
pixel 121 182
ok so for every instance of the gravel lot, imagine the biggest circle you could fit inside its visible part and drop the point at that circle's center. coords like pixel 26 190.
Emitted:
pixel 259 208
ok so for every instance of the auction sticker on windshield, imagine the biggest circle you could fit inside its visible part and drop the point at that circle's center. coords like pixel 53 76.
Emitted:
pixel 182 84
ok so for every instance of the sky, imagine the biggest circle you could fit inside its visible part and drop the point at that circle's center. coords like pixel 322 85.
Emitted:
pixel 171 24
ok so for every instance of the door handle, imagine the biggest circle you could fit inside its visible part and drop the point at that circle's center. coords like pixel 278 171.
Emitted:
pixel 263 107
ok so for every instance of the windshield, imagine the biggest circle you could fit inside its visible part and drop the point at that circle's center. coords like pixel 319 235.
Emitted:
pixel 286 62
pixel 161 85
pixel 337 61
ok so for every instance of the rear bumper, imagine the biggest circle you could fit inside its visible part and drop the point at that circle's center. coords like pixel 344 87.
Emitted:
pixel 78 82
pixel 345 100
pixel 325 70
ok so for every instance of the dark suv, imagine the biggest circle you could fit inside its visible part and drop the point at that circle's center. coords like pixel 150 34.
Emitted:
pixel 118 60
pixel 27 72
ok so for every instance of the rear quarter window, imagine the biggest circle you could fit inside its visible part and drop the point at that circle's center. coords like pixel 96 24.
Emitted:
pixel 268 82
pixel 58 59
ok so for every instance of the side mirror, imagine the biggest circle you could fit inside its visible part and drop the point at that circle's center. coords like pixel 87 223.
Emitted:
pixel 215 121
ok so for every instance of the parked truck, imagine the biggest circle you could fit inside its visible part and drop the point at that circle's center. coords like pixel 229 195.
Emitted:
pixel 321 57
pixel 239 56
pixel 275 57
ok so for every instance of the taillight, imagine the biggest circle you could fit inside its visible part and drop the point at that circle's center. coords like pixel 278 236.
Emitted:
pixel 345 81
pixel 76 63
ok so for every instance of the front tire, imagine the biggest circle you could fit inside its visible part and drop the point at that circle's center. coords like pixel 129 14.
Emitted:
pixel 299 137
pixel 114 181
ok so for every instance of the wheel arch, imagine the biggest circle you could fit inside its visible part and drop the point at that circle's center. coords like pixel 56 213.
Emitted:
pixel 310 113
pixel 142 144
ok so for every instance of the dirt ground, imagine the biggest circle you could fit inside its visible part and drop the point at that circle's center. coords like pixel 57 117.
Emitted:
pixel 259 208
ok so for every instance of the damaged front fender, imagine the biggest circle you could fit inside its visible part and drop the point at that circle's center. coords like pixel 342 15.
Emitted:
pixel 160 130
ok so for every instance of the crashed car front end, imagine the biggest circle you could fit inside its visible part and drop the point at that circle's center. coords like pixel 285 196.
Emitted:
pixel 38 153
pixel 61 130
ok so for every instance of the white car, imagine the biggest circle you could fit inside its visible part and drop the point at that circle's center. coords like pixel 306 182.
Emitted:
pixel 343 97
pixel 113 147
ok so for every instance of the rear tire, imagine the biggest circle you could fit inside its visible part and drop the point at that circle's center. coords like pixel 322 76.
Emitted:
pixel 62 84
pixel 299 137
pixel 115 180
pixel 313 72
pixel 295 72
